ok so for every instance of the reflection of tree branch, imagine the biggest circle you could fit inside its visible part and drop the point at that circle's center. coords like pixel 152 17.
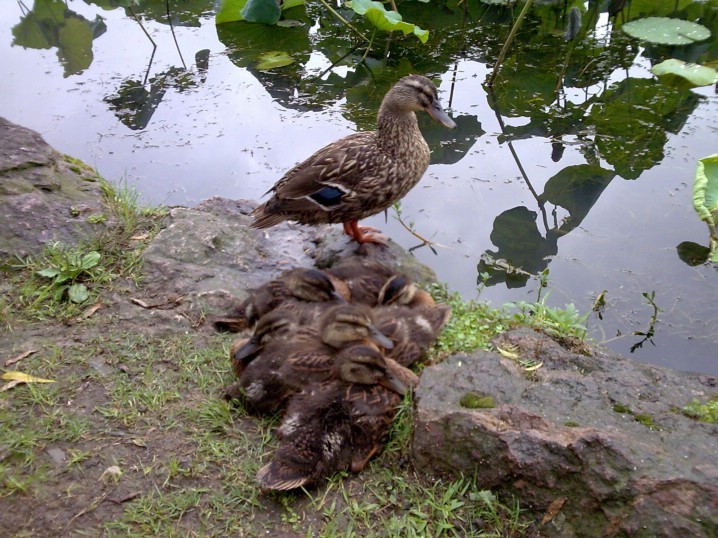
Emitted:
pixel 508 42
pixel 154 45
pixel 495 107
pixel 343 20
pixel 335 63
pixel 172 29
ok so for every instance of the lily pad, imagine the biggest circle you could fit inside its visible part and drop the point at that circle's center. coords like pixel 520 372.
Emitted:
pixel 376 13
pixel 666 31
pixel 274 59
pixel 697 75
pixel 705 198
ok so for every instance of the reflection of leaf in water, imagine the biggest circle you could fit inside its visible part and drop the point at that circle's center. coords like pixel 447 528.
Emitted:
pixel 692 253
pixel 523 90
pixel 31 33
pixel 519 242
pixel 450 146
pixel 51 24
pixel 576 189
pixel 261 11
pixel 75 45
pixel 631 121
pixel 134 105
pixel 38 29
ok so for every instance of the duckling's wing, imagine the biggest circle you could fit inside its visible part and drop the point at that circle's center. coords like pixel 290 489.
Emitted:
pixel 277 476
pixel 314 439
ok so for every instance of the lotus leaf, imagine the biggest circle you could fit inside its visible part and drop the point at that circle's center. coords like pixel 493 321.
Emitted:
pixel 705 197
pixel 376 13
pixel 274 59
pixel 697 75
pixel 666 31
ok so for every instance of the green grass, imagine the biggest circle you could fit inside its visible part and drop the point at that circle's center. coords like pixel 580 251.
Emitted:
pixel 62 281
pixel 193 456
pixel 474 323
pixel 703 412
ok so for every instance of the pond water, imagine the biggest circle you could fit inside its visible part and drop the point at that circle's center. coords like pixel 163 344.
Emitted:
pixel 593 182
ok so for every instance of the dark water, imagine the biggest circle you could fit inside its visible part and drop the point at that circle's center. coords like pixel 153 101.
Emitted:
pixel 595 185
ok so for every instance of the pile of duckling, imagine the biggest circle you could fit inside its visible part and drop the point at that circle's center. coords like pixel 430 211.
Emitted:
pixel 330 351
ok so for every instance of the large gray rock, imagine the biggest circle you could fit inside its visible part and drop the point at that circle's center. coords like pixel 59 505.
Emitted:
pixel 209 258
pixel 44 196
pixel 602 432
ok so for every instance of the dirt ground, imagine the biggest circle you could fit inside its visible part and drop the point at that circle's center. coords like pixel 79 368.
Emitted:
pixel 133 438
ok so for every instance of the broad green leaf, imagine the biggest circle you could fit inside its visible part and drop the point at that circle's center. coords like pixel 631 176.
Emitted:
pixel 75 45
pixel 376 13
pixel 705 189
pixel 78 293
pixel 697 75
pixel 234 10
pixel 90 260
pixel 274 59
pixel 666 31
pixel 50 272
pixel 261 11
pixel 705 198
pixel 229 11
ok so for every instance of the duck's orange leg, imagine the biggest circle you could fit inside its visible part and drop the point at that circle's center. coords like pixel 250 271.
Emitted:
pixel 364 234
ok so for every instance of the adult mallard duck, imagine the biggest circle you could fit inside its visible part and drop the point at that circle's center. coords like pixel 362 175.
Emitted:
pixel 363 173
pixel 339 424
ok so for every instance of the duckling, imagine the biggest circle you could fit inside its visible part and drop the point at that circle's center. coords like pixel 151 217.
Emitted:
pixel 295 287
pixel 362 277
pixel 285 365
pixel 339 424
pixel 399 289
pixel 411 329
pixel 363 173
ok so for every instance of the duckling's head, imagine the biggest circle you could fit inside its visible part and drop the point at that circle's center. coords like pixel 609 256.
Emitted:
pixel 271 325
pixel 364 364
pixel 400 290
pixel 344 324
pixel 414 93
pixel 312 285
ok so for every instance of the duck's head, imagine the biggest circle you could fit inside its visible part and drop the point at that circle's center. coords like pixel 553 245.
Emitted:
pixel 401 290
pixel 345 324
pixel 364 364
pixel 416 93
pixel 312 285
pixel 271 325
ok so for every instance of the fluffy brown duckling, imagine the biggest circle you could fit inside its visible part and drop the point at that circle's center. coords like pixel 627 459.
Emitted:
pixel 411 329
pixel 284 366
pixel 363 173
pixel 295 288
pixel 339 424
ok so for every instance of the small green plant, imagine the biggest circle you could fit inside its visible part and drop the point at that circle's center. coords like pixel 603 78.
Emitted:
pixel 703 412
pixel 559 322
pixel 471 326
pixel 63 270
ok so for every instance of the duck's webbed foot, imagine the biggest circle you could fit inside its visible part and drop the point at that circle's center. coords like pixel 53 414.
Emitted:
pixel 364 234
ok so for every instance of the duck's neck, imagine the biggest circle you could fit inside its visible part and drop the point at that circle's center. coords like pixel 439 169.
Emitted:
pixel 396 129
